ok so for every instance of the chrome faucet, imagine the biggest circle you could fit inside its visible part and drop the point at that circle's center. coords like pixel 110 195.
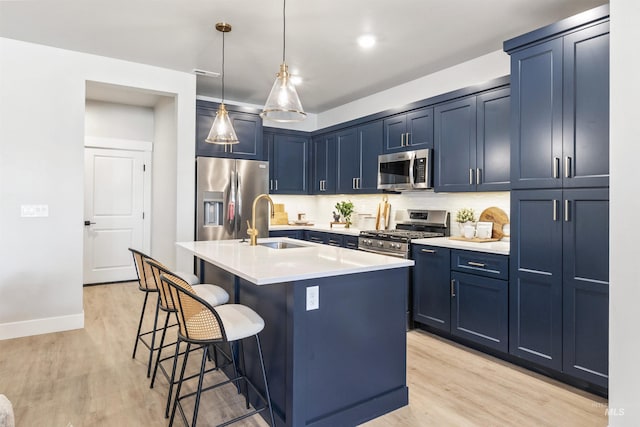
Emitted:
pixel 252 231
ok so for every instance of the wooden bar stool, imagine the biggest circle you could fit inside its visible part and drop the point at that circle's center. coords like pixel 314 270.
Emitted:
pixel 147 284
pixel 204 325
pixel 212 294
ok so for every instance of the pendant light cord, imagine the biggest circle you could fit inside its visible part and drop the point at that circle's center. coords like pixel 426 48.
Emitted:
pixel 284 29
pixel 223 67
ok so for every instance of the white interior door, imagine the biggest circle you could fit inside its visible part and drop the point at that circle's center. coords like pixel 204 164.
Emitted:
pixel 116 192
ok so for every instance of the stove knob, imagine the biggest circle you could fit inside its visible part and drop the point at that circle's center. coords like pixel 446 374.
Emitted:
pixel 381 244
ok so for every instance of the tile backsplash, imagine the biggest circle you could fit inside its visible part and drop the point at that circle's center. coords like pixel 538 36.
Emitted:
pixel 319 208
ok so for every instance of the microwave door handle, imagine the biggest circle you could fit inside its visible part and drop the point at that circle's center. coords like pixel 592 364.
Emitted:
pixel 412 178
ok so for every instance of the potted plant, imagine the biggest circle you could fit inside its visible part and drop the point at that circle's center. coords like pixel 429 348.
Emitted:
pixel 345 209
pixel 465 216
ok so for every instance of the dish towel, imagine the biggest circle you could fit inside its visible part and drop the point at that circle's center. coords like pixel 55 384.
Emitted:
pixel 6 412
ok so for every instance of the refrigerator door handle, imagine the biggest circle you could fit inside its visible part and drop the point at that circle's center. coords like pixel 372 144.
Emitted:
pixel 238 215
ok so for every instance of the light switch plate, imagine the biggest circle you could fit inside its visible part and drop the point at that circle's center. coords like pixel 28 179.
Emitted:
pixel 34 211
pixel 313 298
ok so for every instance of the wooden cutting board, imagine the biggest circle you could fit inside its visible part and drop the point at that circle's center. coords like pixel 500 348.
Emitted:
pixel 498 217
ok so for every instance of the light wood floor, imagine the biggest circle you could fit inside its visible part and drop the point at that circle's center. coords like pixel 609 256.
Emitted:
pixel 88 378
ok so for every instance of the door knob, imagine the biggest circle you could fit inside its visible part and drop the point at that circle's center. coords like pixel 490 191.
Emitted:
pixel 87 223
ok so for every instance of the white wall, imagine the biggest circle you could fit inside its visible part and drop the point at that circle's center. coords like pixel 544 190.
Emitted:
pixel 475 71
pixel 41 162
pixel 624 291
pixel 121 121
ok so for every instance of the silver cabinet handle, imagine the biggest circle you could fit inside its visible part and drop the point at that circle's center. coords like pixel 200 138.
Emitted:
pixel 408 139
pixel 353 183
pixel 476 264
pixel 402 140
pixel 555 210
pixel 357 183
pixel 567 167
pixel 478 176
pixel 470 176
pixel 324 185
pixel 276 185
pixel 453 287
pixel 556 167
pixel 428 251
pixel 566 210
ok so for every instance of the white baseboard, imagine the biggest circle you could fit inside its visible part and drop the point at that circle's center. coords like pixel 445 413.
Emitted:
pixel 41 326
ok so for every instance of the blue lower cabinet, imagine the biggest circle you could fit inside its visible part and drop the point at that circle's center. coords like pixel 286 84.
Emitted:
pixel 431 291
pixel 350 242
pixel 332 239
pixel 480 310
pixel 292 234
pixel 316 236
pixel 335 240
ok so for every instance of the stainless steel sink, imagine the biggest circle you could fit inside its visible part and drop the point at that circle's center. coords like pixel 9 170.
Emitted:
pixel 282 245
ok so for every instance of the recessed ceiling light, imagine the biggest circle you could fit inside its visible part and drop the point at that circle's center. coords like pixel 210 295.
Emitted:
pixel 200 72
pixel 366 41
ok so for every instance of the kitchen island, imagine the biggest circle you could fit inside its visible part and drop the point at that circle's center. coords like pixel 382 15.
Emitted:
pixel 334 340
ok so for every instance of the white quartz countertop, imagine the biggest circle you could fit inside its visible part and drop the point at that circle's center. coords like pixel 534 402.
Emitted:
pixel 499 247
pixel 263 265
pixel 318 227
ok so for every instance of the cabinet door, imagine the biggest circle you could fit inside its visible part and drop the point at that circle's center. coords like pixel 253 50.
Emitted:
pixel 316 236
pixel 586 108
pixel 370 147
pixel 335 240
pixel 535 285
pixel 431 286
pixel 350 242
pixel 420 129
pixel 536 133
pixel 348 160
pixel 248 128
pixel 493 141
pixel 480 310
pixel 586 284
pixel 324 165
pixel 395 129
pixel 292 234
pixel 290 158
pixel 455 145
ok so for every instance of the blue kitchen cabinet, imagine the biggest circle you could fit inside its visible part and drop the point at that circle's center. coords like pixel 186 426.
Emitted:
pixel 288 162
pixel 585 241
pixel 455 145
pixel 324 165
pixel 493 141
pixel 316 236
pixel 350 242
pixel 292 234
pixel 409 131
pixel 358 149
pixel 432 287
pixel 535 284
pixel 248 127
pixel 480 310
pixel 560 115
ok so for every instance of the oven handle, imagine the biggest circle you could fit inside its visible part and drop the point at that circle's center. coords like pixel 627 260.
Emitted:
pixel 383 253
pixel 412 178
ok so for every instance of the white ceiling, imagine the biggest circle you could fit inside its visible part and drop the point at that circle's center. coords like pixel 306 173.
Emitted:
pixel 415 38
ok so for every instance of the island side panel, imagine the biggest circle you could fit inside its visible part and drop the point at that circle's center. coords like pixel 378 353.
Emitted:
pixel 343 363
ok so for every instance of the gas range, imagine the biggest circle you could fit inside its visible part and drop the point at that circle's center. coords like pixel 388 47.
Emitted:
pixel 422 224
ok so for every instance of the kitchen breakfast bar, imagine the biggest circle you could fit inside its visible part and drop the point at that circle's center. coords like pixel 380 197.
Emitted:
pixel 334 341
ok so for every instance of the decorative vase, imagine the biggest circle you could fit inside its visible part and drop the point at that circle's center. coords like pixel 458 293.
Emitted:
pixel 461 226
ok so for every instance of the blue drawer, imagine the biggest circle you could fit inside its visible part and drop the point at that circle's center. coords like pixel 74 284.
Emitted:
pixel 480 263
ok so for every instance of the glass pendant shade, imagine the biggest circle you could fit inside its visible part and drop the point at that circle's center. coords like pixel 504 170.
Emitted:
pixel 283 103
pixel 222 131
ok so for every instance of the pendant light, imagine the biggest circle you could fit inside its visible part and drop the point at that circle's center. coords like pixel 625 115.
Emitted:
pixel 222 131
pixel 283 103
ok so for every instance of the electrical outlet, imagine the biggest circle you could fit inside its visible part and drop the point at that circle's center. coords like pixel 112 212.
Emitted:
pixel 34 211
pixel 313 298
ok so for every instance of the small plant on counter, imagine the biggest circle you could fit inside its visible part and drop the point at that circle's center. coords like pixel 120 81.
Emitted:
pixel 345 209
pixel 465 215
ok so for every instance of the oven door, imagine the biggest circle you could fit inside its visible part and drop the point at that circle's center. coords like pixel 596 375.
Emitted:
pixel 395 171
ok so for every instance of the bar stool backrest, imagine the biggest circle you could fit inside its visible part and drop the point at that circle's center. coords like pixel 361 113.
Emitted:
pixel 157 269
pixel 145 275
pixel 198 320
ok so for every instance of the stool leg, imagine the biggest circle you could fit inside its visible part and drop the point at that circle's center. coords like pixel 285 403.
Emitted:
pixel 144 305
pixel 164 333
pixel 177 398
pixel 266 384
pixel 199 389
pixel 235 365
pixel 243 372
pixel 153 337
pixel 173 377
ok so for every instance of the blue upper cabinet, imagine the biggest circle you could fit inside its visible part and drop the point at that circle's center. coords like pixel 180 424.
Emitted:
pixel 560 114
pixel 358 149
pixel 288 161
pixel 248 127
pixel 324 165
pixel 493 141
pixel 455 145
pixel 586 108
pixel 409 131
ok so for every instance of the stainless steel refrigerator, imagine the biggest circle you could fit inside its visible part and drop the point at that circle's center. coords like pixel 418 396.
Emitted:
pixel 225 192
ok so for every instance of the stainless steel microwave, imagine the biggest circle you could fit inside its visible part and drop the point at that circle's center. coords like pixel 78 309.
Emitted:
pixel 409 170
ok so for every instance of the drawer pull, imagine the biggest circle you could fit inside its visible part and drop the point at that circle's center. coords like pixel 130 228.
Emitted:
pixel 453 287
pixel 428 251
pixel 476 264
